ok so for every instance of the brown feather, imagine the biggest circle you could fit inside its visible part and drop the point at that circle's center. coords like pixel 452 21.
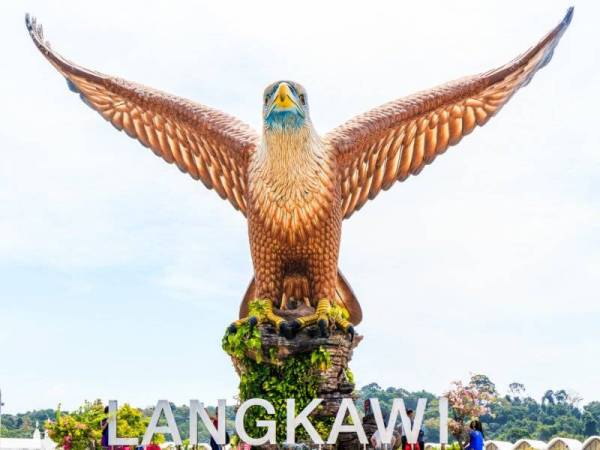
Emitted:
pixel 144 113
pixel 434 120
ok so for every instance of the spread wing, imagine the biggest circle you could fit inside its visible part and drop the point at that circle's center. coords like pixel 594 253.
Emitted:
pixel 395 140
pixel 206 143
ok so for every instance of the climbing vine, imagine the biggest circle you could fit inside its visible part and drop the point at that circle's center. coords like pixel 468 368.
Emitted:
pixel 276 380
pixel 243 343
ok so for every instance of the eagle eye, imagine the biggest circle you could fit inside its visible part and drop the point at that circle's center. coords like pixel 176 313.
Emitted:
pixel 302 99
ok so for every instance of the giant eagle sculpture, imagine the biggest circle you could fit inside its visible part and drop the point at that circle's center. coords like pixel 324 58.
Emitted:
pixel 293 186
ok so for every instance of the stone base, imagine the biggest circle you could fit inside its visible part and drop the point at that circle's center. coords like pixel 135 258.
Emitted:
pixel 334 380
pixel 335 383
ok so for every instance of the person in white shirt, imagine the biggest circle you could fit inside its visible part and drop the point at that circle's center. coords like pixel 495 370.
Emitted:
pixel 377 444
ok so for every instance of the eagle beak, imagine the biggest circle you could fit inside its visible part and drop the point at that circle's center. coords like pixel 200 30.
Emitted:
pixel 284 98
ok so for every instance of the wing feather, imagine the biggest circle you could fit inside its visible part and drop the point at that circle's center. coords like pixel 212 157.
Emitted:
pixel 205 143
pixel 396 140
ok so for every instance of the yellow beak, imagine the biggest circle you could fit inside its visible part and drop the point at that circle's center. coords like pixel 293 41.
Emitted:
pixel 284 97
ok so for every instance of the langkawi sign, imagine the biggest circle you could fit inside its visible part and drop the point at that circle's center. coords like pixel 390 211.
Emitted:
pixel 347 407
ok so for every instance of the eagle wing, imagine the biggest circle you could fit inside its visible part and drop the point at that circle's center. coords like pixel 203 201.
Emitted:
pixel 397 139
pixel 206 143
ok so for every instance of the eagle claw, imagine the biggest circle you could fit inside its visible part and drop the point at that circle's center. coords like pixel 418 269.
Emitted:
pixel 289 329
pixel 295 326
pixel 252 322
pixel 286 330
pixel 351 333
pixel 323 325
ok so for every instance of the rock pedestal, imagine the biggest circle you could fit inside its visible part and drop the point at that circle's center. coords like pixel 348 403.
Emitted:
pixel 335 381
pixel 331 354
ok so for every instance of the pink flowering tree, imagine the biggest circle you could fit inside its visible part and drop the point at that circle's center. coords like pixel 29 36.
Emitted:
pixel 469 402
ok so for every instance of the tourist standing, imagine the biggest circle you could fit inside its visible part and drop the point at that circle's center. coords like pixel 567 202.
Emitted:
pixel 476 436
pixel 213 443
pixel 420 445
pixel 376 442
pixel 67 442
pixel 104 426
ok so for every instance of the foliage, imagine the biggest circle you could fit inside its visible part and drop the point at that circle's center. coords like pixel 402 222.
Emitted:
pixel 469 402
pixel 131 422
pixel 244 342
pixel 294 377
pixel 182 413
pixel 349 375
pixel 386 397
pixel 512 417
pixel 516 388
pixel 22 425
pixel 84 426
pixel 483 384
pixel 320 358
pixel 258 308
pixel 81 427
pixel 453 446
pixel 557 414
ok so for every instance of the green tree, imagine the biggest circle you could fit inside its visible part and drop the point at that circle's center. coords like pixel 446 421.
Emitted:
pixel 84 426
pixel 483 384
pixel 81 427
pixel 516 389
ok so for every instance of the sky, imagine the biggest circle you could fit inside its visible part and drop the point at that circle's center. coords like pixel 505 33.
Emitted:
pixel 119 274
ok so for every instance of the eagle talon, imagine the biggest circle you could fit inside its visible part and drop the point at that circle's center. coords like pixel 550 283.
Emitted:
pixel 283 330
pixel 320 318
pixel 295 326
pixel 346 326
pixel 323 328
pixel 351 333
pixel 286 331
pixel 252 321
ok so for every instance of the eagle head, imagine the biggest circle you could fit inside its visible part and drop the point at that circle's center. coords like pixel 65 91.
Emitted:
pixel 285 106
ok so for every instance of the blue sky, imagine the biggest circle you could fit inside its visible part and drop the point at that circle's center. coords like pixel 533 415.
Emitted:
pixel 118 274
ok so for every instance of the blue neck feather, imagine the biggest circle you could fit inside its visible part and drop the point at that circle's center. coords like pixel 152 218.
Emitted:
pixel 284 120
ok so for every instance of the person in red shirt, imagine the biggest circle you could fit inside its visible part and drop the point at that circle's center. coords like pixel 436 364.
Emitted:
pixel 67 442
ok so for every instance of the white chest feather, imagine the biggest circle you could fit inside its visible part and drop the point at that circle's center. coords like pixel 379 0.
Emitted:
pixel 291 184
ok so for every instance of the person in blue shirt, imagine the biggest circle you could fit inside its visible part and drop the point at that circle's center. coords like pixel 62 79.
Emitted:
pixel 476 436
pixel 104 426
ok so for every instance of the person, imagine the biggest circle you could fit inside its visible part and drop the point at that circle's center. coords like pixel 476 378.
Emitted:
pixel 421 439
pixel 377 443
pixel 376 440
pixel 104 426
pixel 244 446
pixel 420 445
pixel 476 436
pixel 213 443
pixel 67 442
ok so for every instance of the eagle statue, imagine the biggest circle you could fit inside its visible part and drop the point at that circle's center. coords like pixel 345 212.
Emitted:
pixel 293 186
